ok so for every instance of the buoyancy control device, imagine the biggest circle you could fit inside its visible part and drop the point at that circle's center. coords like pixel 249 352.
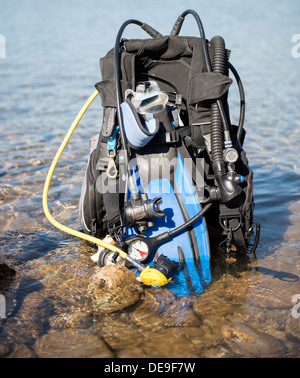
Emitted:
pixel 167 173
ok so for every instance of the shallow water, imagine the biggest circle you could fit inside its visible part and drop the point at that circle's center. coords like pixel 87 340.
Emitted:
pixel 51 65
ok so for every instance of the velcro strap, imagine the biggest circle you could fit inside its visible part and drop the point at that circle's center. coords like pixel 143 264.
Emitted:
pixel 108 122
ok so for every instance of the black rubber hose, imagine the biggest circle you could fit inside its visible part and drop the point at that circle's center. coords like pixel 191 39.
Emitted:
pixel 177 27
pixel 217 136
pixel 242 103
pixel 191 221
pixel 170 234
pixel 117 75
pixel 176 30
pixel 219 54
pixel 228 189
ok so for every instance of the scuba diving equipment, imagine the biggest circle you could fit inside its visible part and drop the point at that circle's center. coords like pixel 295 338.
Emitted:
pixel 140 211
pixel 148 98
pixel 140 135
pixel 107 257
pixel 165 265
pixel 145 245
pixel 165 106
pixel 148 275
pixel 168 97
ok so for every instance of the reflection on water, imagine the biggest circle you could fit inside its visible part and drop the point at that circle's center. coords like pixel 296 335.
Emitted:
pixel 45 79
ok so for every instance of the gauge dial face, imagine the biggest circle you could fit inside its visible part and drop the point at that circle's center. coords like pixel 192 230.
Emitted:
pixel 138 250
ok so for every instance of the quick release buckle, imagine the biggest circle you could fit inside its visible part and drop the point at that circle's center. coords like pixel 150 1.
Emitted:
pixel 112 143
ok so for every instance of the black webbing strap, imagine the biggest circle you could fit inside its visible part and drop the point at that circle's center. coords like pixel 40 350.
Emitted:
pixel 232 222
pixel 108 122
pixel 112 205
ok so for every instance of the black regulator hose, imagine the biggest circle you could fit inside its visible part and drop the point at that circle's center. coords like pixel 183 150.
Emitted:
pixel 175 31
pixel 227 188
pixel 242 103
pixel 117 74
pixel 216 132
pixel 220 133
pixel 217 135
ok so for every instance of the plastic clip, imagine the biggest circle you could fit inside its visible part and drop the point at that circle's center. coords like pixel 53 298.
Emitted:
pixel 112 143
pixel 172 137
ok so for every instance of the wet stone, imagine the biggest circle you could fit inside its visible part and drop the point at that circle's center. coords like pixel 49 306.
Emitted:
pixel 7 274
pixel 203 338
pixel 166 344
pixel 27 320
pixel 71 343
pixel 271 294
pixel 5 349
pixel 292 233
pixel 9 193
pixel 161 308
pixel 22 351
pixel 292 328
pixel 113 288
pixel 249 342
pixel 118 333
pixel 131 352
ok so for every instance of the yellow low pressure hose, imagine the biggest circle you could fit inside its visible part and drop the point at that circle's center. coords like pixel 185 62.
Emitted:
pixel 148 275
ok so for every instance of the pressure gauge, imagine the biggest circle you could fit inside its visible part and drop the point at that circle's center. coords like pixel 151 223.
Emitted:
pixel 138 249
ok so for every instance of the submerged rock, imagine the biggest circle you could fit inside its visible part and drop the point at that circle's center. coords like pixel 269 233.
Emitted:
pixel 26 321
pixel 292 328
pixel 248 342
pixel 7 274
pixel 71 343
pixel 113 288
pixel 161 308
pixel 168 344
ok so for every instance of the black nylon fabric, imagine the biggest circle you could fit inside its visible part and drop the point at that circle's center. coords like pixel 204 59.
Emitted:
pixel 178 60
pixel 177 64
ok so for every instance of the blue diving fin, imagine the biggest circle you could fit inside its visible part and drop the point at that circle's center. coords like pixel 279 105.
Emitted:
pixel 190 249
